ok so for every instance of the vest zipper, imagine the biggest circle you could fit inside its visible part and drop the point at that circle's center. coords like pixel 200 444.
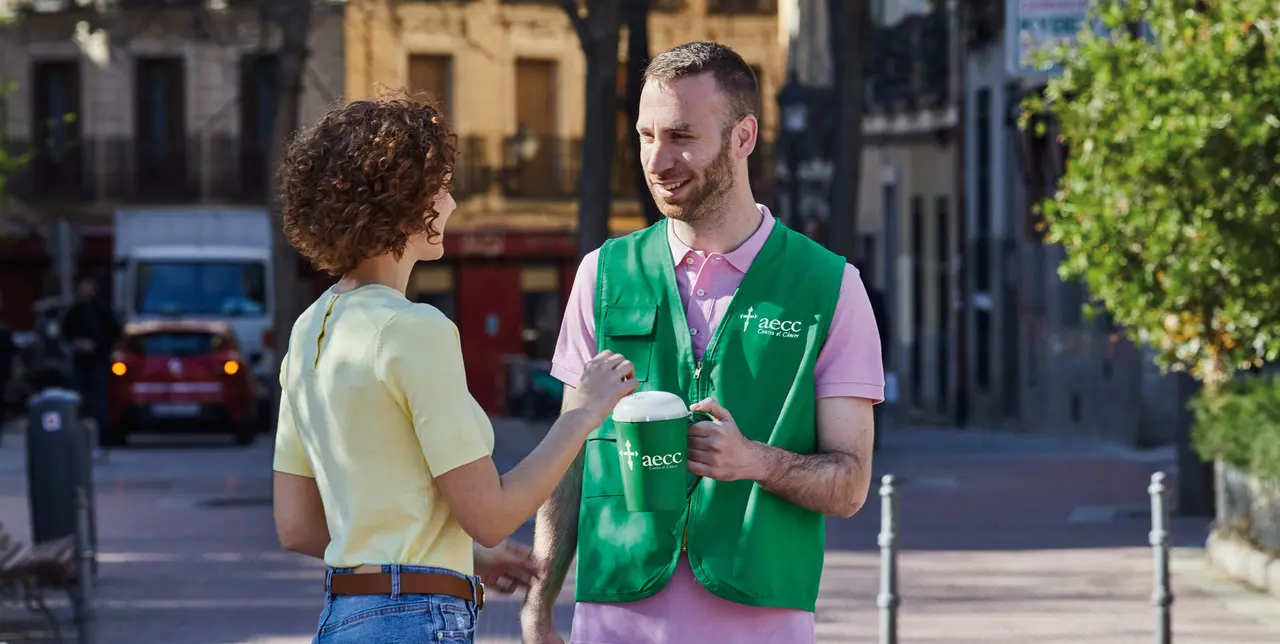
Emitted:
pixel 684 536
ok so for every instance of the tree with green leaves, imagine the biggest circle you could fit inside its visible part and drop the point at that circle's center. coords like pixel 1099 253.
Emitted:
pixel 1169 209
pixel 10 160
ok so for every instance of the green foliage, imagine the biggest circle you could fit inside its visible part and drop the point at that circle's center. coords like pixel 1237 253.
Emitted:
pixel 1169 209
pixel 1240 424
pixel 9 160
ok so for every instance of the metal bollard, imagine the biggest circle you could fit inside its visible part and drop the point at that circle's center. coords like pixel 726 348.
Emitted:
pixel 1162 595
pixel 888 599
pixel 85 559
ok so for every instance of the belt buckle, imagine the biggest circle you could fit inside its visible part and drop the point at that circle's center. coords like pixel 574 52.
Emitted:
pixel 479 595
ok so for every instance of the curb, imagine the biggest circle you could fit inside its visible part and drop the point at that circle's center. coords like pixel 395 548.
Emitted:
pixel 1243 562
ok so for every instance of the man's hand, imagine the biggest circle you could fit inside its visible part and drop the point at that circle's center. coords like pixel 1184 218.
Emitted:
pixel 506 567
pixel 83 345
pixel 540 634
pixel 718 450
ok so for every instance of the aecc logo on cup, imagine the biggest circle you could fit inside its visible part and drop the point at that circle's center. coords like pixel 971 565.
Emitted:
pixel 662 461
pixel 649 461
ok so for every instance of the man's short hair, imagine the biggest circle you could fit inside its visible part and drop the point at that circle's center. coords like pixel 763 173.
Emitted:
pixel 732 74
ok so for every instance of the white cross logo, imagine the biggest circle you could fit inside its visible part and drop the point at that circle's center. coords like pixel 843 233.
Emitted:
pixel 630 453
pixel 747 317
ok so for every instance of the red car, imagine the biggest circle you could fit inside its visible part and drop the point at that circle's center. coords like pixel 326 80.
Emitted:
pixel 180 375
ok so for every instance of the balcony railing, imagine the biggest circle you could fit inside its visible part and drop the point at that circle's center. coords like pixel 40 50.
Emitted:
pixel 541 167
pixel 910 63
pixel 221 169
pixel 742 6
pixel 196 169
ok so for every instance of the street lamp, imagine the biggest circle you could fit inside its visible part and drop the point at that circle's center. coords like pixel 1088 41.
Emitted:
pixel 518 150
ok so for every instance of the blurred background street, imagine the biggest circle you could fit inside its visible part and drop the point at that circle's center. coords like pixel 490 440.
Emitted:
pixel 1071 259
pixel 1005 540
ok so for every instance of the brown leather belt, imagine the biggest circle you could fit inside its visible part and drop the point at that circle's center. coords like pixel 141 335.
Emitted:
pixel 411 583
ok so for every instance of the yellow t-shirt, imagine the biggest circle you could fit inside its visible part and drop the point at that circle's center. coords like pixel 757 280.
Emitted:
pixel 374 406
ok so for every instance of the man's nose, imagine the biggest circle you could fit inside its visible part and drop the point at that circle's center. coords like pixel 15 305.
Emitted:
pixel 660 158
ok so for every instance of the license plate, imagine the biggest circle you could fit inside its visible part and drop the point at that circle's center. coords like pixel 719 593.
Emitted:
pixel 175 410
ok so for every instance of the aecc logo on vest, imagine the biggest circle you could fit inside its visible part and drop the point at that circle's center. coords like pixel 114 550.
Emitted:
pixel 776 327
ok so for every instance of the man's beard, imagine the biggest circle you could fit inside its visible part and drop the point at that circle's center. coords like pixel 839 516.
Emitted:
pixel 710 192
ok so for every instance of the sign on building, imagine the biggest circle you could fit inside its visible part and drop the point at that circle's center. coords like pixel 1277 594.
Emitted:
pixel 1032 25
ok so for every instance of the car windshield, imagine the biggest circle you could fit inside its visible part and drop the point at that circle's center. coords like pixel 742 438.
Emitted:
pixel 223 288
pixel 174 343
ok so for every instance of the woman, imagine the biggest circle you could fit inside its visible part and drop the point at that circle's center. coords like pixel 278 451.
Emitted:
pixel 382 462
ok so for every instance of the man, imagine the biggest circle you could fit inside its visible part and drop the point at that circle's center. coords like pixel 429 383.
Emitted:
pixel 91 330
pixel 754 324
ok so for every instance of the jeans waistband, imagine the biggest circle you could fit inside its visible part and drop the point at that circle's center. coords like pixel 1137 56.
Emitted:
pixel 395 570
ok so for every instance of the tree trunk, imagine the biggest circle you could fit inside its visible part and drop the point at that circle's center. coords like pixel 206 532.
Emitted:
pixel 598 33
pixel 637 20
pixel 293 18
pixel 849 24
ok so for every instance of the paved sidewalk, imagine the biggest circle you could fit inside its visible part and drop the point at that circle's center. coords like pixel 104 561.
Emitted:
pixel 1006 540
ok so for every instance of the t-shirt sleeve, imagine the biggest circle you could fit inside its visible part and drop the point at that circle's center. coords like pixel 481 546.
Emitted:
pixel 577 341
pixel 419 359
pixel 850 364
pixel 290 455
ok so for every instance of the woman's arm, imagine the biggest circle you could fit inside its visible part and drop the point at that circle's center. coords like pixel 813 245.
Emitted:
pixel 422 366
pixel 296 502
pixel 299 513
pixel 492 507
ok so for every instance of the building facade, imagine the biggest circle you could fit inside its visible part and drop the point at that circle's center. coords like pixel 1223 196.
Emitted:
pixel 137 103
pixel 510 76
pixel 910 214
pixel 1039 363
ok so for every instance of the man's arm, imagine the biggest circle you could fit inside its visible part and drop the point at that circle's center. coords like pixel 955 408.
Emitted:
pixel 834 481
pixel 555 536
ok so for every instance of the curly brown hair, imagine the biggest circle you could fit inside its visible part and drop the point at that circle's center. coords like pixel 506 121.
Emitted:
pixel 363 180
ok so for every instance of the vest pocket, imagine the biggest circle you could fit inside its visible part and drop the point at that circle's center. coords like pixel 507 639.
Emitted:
pixel 601 473
pixel 629 330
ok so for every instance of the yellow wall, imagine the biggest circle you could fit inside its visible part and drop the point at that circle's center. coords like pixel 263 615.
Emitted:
pixel 486 37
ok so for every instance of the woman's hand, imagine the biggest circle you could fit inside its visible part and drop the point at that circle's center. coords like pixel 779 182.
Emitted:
pixel 506 567
pixel 606 379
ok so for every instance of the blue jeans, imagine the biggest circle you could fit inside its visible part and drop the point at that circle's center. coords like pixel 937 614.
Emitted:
pixel 395 618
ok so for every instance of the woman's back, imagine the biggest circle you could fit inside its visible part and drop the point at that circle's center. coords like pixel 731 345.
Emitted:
pixel 374 405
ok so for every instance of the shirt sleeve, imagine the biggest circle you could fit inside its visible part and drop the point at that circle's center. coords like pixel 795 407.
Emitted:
pixel 290 456
pixel 577 341
pixel 850 364
pixel 419 358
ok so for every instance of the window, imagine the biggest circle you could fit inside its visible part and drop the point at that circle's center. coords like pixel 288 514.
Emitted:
pixel 160 127
pixel 942 258
pixel 175 343
pixel 917 300
pixel 177 287
pixel 433 75
pixel 982 191
pixel 55 124
pixel 259 78
pixel 535 160
pixel 541 286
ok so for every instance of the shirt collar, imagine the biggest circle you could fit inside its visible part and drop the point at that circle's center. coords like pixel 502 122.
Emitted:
pixel 740 257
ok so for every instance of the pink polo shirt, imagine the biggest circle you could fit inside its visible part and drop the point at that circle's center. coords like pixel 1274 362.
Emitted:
pixel 848 365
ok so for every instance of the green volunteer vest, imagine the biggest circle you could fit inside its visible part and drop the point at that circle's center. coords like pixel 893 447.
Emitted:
pixel 744 543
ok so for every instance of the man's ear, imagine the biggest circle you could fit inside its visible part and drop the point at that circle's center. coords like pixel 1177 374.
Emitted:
pixel 745 134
